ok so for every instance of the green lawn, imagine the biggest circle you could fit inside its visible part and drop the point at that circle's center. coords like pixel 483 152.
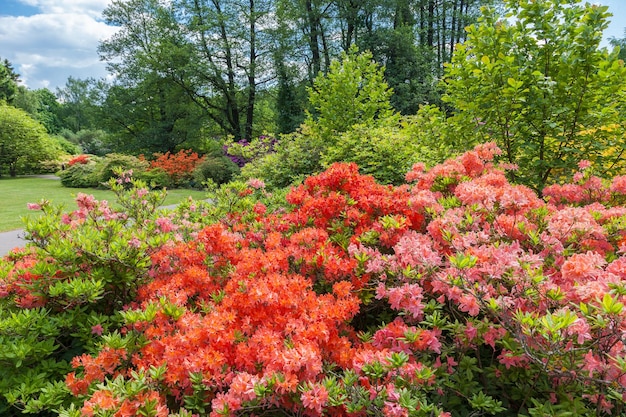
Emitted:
pixel 15 193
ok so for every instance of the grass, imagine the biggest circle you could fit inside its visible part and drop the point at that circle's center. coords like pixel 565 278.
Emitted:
pixel 15 193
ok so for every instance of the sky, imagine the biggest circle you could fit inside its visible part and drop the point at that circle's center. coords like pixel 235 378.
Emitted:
pixel 48 41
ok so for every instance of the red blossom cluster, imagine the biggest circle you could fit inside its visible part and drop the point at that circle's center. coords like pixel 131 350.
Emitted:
pixel 80 159
pixel 179 166
pixel 363 298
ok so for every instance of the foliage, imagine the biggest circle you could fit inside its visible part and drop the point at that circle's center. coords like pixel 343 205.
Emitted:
pixel 243 151
pixel 42 105
pixel 66 146
pixel 79 176
pixel 354 91
pixel 80 100
pixel 66 288
pixel 154 177
pixel 108 166
pixel 621 44
pixel 8 82
pixel 386 152
pixel 353 94
pixel 179 166
pixel 94 142
pixel 296 156
pixel 220 170
pixel 540 85
pixel 458 293
pixel 22 140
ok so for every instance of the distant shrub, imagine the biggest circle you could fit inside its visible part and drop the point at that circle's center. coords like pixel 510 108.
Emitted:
pixel 243 151
pixel 220 170
pixel 106 167
pixel 79 176
pixel 155 178
pixel 385 152
pixel 179 166
pixel 296 156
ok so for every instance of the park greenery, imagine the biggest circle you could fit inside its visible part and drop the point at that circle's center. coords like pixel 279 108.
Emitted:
pixel 410 208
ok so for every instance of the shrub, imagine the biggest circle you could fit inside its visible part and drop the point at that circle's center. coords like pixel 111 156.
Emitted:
pixel 296 156
pixel 385 152
pixel 457 293
pixel 243 152
pixel 111 164
pixel 220 170
pixel 179 166
pixel 155 178
pixel 63 291
pixel 80 176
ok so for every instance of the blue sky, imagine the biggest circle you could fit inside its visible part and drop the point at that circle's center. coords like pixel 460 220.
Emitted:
pixel 49 40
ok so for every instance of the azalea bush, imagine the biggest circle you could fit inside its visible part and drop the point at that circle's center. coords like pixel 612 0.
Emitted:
pixel 455 294
pixel 179 166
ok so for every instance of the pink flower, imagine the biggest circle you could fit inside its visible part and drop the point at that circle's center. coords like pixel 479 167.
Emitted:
pixel 584 164
pixel 256 183
pixel 97 329
pixel 468 303
pixel 580 328
pixel 165 224
pixel 33 206
pixel 315 398
pixel 134 243
pixel 619 184
pixel 583 266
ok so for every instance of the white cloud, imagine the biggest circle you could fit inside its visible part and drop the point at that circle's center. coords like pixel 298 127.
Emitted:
pixel 61 41
pixel 92 8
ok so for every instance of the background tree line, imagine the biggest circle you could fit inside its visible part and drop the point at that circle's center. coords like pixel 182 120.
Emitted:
pixel 188 70
pixel 455 73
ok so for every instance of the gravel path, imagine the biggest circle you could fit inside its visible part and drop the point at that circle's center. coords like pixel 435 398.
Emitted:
pixel 10 240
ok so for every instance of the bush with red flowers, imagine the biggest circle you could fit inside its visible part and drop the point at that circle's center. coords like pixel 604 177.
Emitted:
pixel 179 166
pixel 455 294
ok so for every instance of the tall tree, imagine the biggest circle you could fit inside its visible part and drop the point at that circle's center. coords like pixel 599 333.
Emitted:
pixel 214 50
pixel 42 105
pixel 621 43
pixel 154 115
pixel 80 99
pixel 22 140
pixel 8 81
pixel 541 86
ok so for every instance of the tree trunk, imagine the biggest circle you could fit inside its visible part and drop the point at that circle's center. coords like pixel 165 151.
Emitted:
pixel 313 22
pixel 251 73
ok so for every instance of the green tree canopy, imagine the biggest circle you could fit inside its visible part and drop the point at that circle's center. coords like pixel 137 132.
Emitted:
pixel 23 140
pixel 541 86
pixel 354 91
pixel 8 81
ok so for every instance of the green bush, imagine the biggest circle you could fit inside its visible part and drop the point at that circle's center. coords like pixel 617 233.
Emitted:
pixel 79 176
pixel 106 167
pixel 385 152
pixel 220 170
pixel 297 155
pixel 155 178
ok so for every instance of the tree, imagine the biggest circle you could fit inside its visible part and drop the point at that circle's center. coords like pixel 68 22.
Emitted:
pixel 354 91
pixel 80 100
pixel 42 105
pixel 541 86
pixel 8 81
pixel 621 43
pixel 22 140
pixel 154 115
pixel 215 51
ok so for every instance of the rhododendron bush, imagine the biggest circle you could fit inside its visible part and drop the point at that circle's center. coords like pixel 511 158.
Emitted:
pixel 455 294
